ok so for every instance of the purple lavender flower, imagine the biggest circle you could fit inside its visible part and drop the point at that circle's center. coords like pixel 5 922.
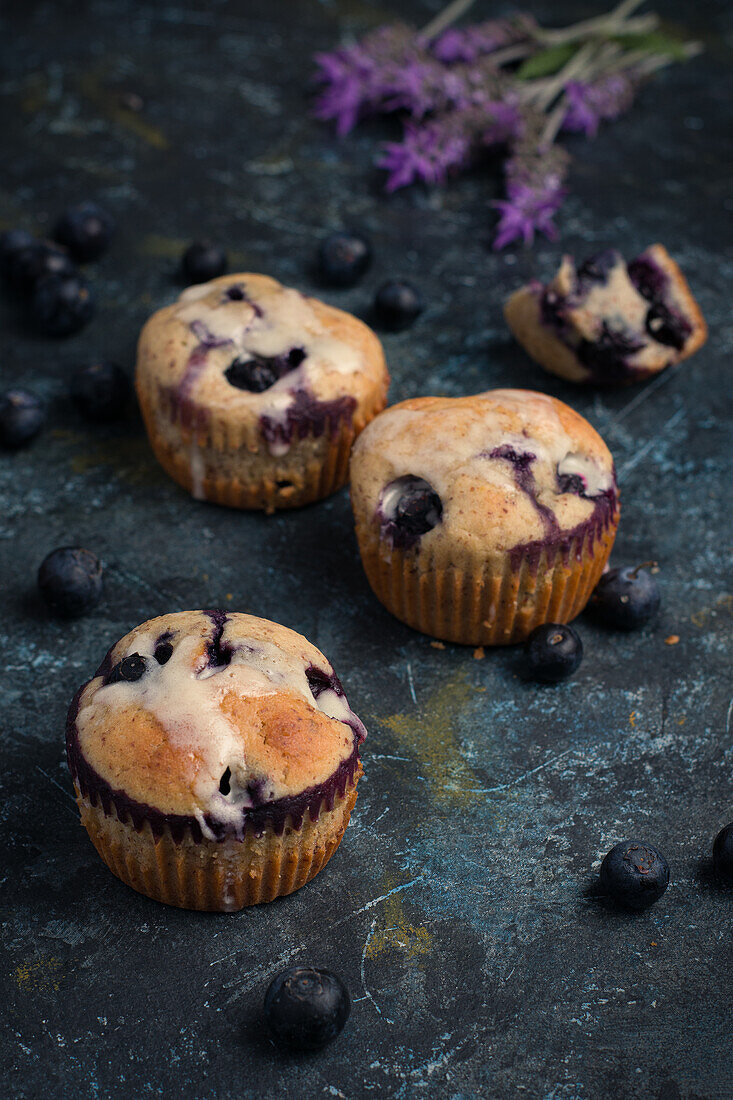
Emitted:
pixel 358 78
pixel 468 44
pixel 534 195
pixel 589 104
pixel 427 152
pixel 433 149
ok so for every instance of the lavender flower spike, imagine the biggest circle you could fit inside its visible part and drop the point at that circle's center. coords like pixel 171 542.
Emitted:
pixel 469 43
pixel 591 103
pixel 427 152
pixel 534 195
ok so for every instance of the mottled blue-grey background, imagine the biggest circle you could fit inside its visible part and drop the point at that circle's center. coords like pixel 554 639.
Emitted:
pixel 459 907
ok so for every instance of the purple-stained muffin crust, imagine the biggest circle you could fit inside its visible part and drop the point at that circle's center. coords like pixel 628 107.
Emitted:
pixel 262 812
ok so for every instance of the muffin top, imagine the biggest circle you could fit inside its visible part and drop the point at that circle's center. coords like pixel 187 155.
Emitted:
pixel 244 347
pixel 486 473
pixel 213 716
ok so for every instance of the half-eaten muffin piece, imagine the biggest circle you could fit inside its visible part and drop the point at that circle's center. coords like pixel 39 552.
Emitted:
pixel 608 322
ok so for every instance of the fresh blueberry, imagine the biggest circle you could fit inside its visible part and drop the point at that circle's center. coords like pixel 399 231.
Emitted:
pixel 343 258
pixel 129 670
pixel 626 598
pixel 61 305
pixel 607 356
pixel 203 261
pixel 571 483
pixel 13 241
pixel 318 681
pixel 86 230
pixel 258 373
pixel 396 305
pixel 723 854
pixel 163 652
pixel 21 418
pixel 666 327
pixel 635 874
pixel 649 280
pixel 410 507
pixel 306 1008
pixel 553 652
pixel 100 390
pixel 39 259
pixel 255 375
pixel 70 581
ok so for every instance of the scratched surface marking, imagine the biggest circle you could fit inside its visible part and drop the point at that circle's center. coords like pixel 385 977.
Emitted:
pixel 457 907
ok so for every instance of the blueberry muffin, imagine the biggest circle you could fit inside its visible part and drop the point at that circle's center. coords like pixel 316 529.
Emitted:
pixel 215 759
pixel 479 518
pixel 253 394
pixel 608 322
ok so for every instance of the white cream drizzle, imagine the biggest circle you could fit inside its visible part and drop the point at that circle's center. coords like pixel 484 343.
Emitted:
pixel 185 695
pixel 469 442
pixel 288 321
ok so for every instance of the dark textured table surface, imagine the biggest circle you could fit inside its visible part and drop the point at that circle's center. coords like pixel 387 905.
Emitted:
pixel 459 907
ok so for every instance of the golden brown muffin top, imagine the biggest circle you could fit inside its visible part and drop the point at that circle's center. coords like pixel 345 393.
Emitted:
pixel 508 466
pixel 226 712
pixel 189 346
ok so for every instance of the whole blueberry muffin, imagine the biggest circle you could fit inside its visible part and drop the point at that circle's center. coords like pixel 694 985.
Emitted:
pixel 215 759
pixel 607 322
pixel 479 518
pixel 253 394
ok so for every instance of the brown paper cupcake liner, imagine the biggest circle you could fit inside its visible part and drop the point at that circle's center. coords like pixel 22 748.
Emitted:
pixel 229 463
pixel 216 875
pixel 487 604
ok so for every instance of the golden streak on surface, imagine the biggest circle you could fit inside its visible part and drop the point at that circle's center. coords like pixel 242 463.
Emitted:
pixel 398 934
pixel 40 975
pixel 429 736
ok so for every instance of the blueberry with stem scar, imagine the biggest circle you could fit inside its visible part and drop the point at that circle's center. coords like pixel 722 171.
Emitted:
pixel 86 230
pixel 553 652
pixel 635 874
pixel 343 258
pixel 129 670
pixel 626 598
pixel 306 1008
pixel 61 305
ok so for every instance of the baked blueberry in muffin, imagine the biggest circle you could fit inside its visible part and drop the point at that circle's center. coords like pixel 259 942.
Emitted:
pixel 607 322
pixel 479 518
pixel 253 394
pixel 215 759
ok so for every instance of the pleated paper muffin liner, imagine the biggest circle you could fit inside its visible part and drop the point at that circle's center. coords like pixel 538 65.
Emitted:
pixel 228 462
pixel 497 602
pixel 216 875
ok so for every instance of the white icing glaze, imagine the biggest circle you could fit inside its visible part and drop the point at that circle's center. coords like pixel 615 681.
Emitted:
pixel 493 459
pixel 185 695
pixel 266 324
pixel 468 447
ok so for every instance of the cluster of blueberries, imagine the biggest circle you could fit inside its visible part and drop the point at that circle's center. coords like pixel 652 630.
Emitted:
pixel 624 599
pixel 44 273
pixel 44 276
